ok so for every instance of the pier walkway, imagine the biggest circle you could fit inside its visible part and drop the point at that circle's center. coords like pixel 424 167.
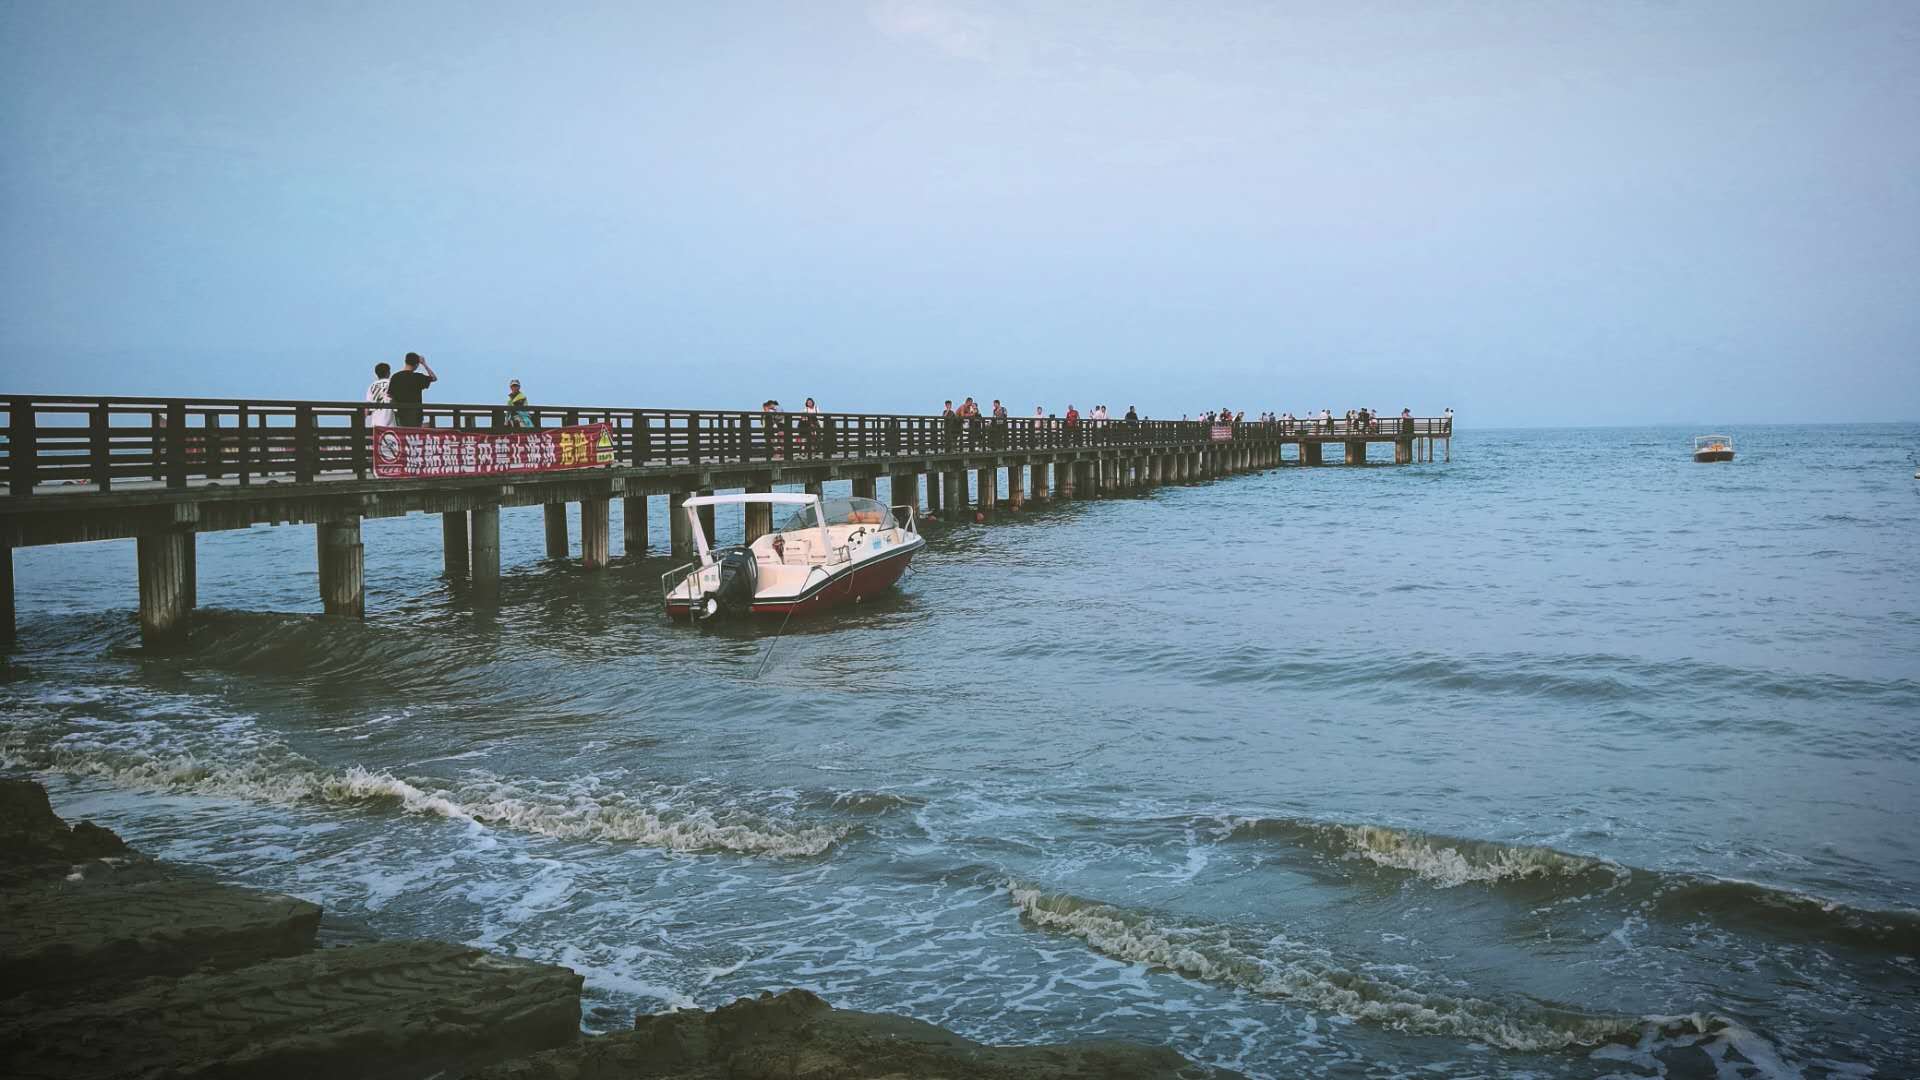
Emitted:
pixel 161 470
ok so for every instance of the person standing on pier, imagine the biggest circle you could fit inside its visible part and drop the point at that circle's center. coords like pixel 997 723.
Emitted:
pixel 380 415
pixel 518 415
pixel 405 387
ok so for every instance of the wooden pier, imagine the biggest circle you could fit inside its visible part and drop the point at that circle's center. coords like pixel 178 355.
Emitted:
pixel 162 470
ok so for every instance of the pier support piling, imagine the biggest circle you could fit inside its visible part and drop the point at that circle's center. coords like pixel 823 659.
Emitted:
pixel 1310 453
pixel 1356 451
pixel 986 487
pixel 8 631
pixel 1403 452
pixel 483 531
pixel 1039 487
pixel 905 490
pixel 1065 477
pixel 342 567
pixel 596 532
pixel 633 526
pixel 759 516
pixel 166 575
pixel 706 515
pixel 679 531
pixel 956 497
pixel 864 487
pixel 556 519
pixel 453 542
pixel 1016 487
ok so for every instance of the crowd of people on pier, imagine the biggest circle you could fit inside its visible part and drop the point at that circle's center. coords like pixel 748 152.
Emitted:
pixel 395 399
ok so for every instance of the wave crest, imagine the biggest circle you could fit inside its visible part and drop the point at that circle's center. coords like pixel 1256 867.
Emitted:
pixel 495 804
pixel 1286 969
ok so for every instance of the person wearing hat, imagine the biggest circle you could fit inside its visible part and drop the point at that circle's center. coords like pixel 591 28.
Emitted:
pixel 517 413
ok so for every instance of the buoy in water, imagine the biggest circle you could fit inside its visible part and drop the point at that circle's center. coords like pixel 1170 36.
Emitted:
pixel 979 518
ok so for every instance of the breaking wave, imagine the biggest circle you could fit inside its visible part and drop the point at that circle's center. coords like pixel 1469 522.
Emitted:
pixel 495 804
pixel 1441 860
pixel 1287 969
pixel 1449 862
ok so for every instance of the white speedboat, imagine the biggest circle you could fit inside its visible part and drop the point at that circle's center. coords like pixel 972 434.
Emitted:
pixel 1713 448
pixel 828 551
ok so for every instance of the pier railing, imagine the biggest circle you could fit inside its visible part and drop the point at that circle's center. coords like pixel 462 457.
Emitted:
pixel 97 442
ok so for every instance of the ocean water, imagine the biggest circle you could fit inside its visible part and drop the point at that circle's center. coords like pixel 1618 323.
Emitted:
pixel 1570 758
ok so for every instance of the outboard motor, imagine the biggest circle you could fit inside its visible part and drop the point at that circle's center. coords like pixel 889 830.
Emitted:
pixel 739 580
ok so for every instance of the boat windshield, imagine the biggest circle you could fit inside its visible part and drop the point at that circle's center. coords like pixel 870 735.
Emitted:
pixel 846 510
pixel 1712 442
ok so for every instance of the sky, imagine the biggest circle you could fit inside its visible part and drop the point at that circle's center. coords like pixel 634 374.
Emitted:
pixel 1536 213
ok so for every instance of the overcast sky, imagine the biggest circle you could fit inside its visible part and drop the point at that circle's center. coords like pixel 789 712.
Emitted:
pixel 1536 213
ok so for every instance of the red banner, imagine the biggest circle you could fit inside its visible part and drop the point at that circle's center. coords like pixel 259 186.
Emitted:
pixel 424 453
pixel 1222 432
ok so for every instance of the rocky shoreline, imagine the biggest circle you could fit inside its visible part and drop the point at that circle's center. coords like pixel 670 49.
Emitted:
pixel 116 965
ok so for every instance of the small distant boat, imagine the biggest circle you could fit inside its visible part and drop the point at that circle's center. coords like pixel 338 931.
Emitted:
pixel 1713 448
pixel 828 552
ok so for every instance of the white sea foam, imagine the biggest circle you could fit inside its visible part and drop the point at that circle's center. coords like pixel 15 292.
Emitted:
pixel 1300 973
pixel 288 778
pixel 1448 863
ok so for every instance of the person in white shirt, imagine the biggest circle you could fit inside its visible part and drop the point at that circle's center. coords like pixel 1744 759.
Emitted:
pixel 382 416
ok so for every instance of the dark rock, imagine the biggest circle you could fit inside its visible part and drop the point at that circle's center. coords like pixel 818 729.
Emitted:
pixel 400 1009
pixel 797 1036
pixel 35 842
pixel 139 919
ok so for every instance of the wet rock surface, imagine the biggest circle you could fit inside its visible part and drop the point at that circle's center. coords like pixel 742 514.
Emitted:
pixel 115 965
pixel 797 1036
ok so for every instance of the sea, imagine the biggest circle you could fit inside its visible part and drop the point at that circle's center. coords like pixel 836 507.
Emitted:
pixel 1566 758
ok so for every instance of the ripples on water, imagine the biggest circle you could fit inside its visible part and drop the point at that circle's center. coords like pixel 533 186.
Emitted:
pixel 1569 758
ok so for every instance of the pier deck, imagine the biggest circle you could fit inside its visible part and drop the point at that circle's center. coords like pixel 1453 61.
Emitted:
pixel 161 470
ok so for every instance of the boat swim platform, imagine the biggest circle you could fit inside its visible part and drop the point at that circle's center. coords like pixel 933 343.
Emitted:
pixel 162 470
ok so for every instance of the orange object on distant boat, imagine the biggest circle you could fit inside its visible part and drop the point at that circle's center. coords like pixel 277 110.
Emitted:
pixel 1713 448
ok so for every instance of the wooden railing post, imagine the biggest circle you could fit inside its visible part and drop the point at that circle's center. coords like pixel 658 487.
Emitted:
pixel 177 445
pixel 243 450
pixel 360 444
pixel 100 447
pixel 306 450
pixel 23 448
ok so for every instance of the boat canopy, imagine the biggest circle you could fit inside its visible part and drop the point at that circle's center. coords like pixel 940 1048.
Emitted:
pixel 842 510
pixel 1702 442
pixel 795 498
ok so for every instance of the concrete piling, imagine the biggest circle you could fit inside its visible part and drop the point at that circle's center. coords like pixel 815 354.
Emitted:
pixel 679 530
pixel 1040 487
pixel 483 531
pixel 1356 452
pixel 1016 487
pixel 342 567
pixel 556 522
pixel 8 628
pixel 905 489
pixel 759 516
pixel 166 601
pixel 453 542
pixel 596 528
pixel 986 487
pixel 864 487
pixel 633 526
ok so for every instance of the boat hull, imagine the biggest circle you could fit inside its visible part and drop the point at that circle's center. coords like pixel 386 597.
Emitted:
pixel 1713 455
pixel 850 585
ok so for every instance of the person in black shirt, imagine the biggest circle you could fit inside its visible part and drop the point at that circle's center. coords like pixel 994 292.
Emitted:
pixel 405 387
